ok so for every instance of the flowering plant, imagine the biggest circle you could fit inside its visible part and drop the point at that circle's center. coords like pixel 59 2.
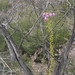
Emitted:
pixel 46 15
pixel 50 24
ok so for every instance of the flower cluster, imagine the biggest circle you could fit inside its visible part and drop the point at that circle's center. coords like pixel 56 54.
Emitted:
pixel 46 15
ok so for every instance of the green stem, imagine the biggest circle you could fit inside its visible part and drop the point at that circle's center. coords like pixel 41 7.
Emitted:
pixel 52 61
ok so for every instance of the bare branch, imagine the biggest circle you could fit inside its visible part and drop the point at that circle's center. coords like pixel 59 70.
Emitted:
pixel 14 50
pixel 60 67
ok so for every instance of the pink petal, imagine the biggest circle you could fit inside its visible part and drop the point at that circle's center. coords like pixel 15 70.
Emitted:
pixel 53 14
pixel 43 14
pixel 50 14
pixel 46 18
pixel 47 15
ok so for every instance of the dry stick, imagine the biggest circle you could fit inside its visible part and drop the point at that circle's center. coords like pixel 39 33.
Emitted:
pixel 14 49
pixel 33 4
pixel 68 3
pixel 60 67
pixel 9 17
pixel 6 64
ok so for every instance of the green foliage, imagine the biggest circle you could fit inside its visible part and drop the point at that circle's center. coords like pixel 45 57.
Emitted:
pixel 31 44
pixel 60 36
pixel 24 24
pixel 2 43
pixel 17 37
pixel 4 5
pixel 71 65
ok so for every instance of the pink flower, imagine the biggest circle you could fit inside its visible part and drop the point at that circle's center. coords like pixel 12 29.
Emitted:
pixel 46 18
pixel 53 14
pixel 50 14
pixel 46 15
